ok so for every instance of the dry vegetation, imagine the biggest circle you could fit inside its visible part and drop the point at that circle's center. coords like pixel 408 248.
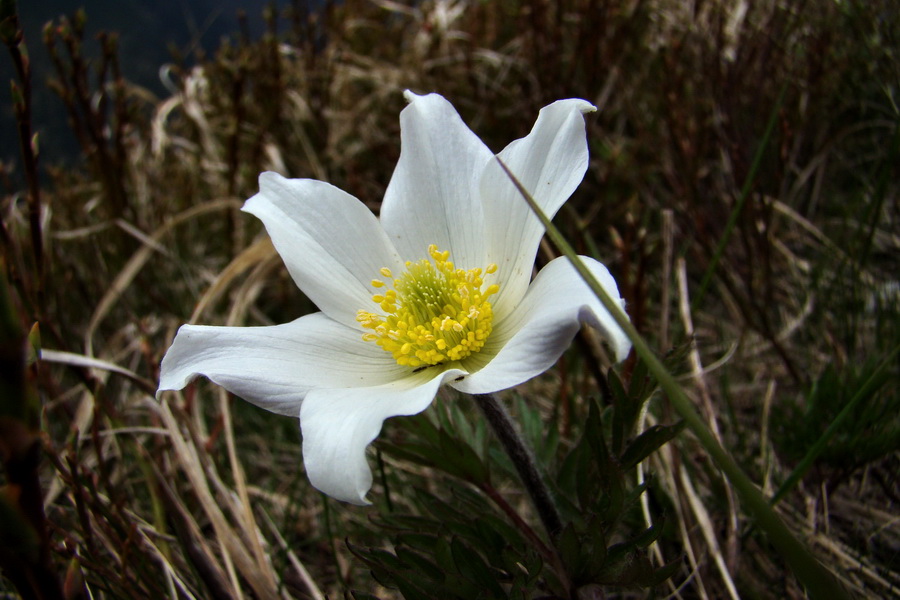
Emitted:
pixel 742 188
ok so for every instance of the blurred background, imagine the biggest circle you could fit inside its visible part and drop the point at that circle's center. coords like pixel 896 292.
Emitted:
pixel 149 34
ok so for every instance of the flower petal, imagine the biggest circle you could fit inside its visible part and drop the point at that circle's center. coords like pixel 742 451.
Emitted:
pixel 338 425
pixel 531 338
pixel 550 162
pixel 275 367
pixel 433 194
pixel 330 242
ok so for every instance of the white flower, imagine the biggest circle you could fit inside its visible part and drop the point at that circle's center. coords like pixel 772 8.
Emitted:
pixel 400 317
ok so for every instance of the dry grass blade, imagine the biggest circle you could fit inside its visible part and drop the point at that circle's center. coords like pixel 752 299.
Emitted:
pixel 233 545
pixel 731 543
pixel 89 362
pixel 137 261
pixel 709 535
pixel 260 252
pixel 311 587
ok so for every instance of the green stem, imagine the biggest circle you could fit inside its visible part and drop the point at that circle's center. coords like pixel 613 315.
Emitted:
pixel 523 459
pixel 819 581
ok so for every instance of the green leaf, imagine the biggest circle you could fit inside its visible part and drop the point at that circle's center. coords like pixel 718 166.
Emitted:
pixel 624 567
pixel 421 427
pixel 461 460
pixel 649 442
pixel 641 384
pixel 593 432
pixel 664 573
pixel 575 474
pixel 420 563
pixel 620 429
pixel 472 566
pixel 443 555
pixel 420 454
pixel 568 545
pixel 650 535
pixel 411 591
pixel 593 550
pixel 415 576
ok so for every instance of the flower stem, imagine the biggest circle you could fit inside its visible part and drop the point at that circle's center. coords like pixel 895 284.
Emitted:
pixel 523 459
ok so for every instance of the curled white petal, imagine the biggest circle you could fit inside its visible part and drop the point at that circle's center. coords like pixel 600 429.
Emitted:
pixel 531 339
pixel 275 367
pixel 338 425
pixel 330 242
pixel 433 195
pixel 550 162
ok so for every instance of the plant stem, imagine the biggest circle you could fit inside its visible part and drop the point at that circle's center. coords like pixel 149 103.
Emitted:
pixel 13 37
pixel 523 459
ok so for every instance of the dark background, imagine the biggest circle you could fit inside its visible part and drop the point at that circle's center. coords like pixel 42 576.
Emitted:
pixel 148 32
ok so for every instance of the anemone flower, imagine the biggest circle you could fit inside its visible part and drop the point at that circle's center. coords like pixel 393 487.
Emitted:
pixel 436 291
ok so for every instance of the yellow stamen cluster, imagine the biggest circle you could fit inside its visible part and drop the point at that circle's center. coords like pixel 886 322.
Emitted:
pixel 433 312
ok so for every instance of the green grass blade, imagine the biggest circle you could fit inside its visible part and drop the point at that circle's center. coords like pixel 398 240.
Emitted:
pixel 739 207
pixel 865 391
pixel 820 583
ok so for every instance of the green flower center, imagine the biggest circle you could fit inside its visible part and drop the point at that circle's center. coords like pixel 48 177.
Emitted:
pixel 433 312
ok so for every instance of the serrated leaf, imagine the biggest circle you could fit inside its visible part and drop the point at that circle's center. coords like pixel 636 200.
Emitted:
pixel 632 496
pixel 500 533
pixel 424 542
pixel 533 427
pixel 547 451
pixel 619 420
pixel 640 381
pixel 419 563
pixel 593 432
pixel 420 454
pixel 568 508
pixel 649 442
pixel 459 459
pixel 377 557
pixel 648 536
pixel 664 573
pixel 593 554
pixel 445 513
pixel 623 567
pixel 442 553
pixel 526 568
pixel 443 418
pixel 574 471
pixel 568 545
pixel 416 577
pixel 411 591
pixel 422 427
pixel 461 424
pixel 401 522
pixel 383 578
pixel 471 565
